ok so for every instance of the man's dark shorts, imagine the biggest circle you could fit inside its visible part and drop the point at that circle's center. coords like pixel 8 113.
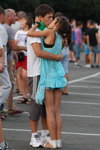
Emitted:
pixel 71 47
pixel 36 110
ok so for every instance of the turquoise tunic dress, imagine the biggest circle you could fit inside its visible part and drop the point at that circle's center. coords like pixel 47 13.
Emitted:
pixel 51 72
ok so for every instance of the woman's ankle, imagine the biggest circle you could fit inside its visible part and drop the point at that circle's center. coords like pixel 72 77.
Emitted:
pixel 53 143
pixel 58 143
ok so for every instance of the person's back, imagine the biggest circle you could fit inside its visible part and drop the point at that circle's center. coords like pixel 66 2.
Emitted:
pixel 33 62
pixel 78 34
pixel 92 36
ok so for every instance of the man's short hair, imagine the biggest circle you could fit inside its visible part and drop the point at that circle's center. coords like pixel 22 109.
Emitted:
pixel 9 11
pixel 2 11
pixel 21 14
pixel 43 10
pixel 91 22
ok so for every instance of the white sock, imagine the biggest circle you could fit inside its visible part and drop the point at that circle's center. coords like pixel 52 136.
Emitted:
pixel 33 134
pixel 53 143
pixel 45 132
pixel 2 144
pixel 58 143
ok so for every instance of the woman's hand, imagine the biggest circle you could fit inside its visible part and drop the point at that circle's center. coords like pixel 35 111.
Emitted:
pixel 52 24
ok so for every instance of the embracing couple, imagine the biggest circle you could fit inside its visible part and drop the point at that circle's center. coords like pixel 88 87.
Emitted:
pixel 46 75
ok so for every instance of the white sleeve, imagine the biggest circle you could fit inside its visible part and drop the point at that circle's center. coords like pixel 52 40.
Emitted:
pixel 34 40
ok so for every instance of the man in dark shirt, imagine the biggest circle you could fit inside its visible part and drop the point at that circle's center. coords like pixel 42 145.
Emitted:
pixel 92 41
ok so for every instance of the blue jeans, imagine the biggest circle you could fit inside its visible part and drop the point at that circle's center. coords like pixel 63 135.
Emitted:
pixel 77 50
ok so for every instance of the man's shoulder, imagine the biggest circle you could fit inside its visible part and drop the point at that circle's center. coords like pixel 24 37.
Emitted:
pixel 7 26
pixel 34 39
pixel 2 27
pixel 9 30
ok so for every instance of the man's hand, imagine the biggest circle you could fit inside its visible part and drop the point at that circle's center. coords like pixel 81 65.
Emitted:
pixel 60 56
pixel 52 24
pixel 24 48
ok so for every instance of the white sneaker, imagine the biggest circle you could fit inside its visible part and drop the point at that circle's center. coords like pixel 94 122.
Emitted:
pixel 88 66
pixel 35 141
pixel 6 147
pixel 58 143
pixel 45 138
pixel 76 65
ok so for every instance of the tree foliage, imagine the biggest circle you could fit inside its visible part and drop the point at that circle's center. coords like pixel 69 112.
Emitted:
pixel 79 9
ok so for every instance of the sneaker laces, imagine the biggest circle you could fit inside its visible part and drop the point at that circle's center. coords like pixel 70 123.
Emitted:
pixel 36 137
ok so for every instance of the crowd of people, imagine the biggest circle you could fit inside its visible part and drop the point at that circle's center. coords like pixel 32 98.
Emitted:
pixel 88 39
pixel 34 58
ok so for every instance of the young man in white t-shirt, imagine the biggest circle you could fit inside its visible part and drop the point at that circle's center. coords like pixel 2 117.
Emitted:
pixel 34 53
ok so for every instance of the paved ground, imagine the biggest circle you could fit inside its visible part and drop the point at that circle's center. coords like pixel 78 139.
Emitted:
pixel 80 112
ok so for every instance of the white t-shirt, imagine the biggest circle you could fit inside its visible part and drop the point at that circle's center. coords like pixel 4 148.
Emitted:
pixel 33 62
pixel 21 37
pixel 16 26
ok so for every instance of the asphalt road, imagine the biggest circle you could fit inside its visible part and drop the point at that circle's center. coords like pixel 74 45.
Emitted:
pixel 80 113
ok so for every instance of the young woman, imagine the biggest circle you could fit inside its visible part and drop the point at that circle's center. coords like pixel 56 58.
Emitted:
pixel 52 79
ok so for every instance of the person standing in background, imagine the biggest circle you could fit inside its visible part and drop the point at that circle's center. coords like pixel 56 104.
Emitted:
pixel 10 17
pixel 78 42
pixel 5 84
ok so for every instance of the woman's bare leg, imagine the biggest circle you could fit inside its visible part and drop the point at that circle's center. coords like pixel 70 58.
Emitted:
pixel 19 75
pixel 57 99
pixel 49 103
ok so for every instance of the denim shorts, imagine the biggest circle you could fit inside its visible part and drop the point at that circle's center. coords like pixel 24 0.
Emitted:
pixel 95 49
pixel 86 49
pixel 72 46
pixel 77 50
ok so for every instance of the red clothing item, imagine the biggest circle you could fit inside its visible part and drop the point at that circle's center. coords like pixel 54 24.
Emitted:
pixel 22 64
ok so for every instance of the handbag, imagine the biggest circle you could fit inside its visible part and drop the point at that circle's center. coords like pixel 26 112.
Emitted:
pixel 21 56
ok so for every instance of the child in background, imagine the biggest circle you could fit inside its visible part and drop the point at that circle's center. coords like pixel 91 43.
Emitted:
pixel 87 52
pixel 21 40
